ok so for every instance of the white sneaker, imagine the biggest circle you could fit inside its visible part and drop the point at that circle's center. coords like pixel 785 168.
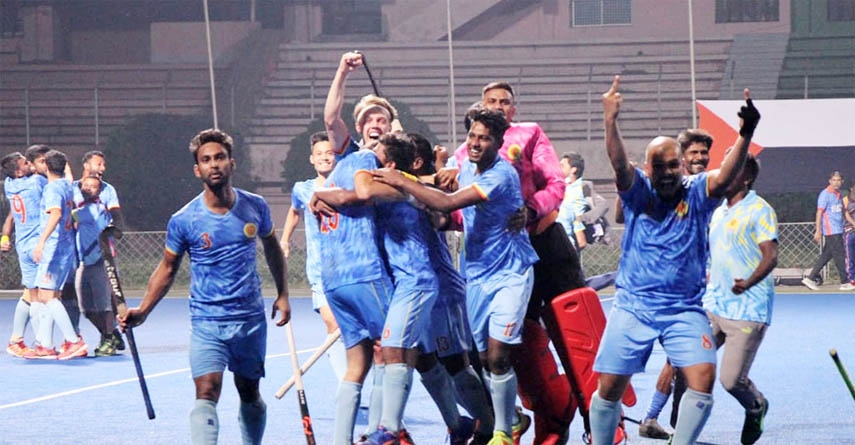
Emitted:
pixel 810 283
pixel 847 286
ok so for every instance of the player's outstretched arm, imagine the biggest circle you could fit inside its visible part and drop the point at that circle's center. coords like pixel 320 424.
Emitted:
pixel 768 262
pixel 336 128
pixel 158 285
pixel 367 189
pixel 8 224
pixel 735 159
pixel 279 269
pixel 327 199
pixel 624 173
pixel 433 198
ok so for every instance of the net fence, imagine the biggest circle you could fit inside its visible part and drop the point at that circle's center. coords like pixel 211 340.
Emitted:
pixel 140 252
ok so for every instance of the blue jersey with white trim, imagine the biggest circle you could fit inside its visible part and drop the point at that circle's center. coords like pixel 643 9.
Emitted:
pixel 664 245
pixel 350 251
pixel 25 200
pixel 301 195
pixel 490 247
pixel 224 282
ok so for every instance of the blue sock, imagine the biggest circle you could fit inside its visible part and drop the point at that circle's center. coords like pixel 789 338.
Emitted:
pixel 470 393
pixel 22 316
pixel 375 405
pixel 396 390
pixel 605 416
pixel 695 409
pixel 252 419
pixel 656 404
pixel 438 384
pixel 503 388
pixel 60 317
pixel 347 403
pixel 338 359
pixel 204 425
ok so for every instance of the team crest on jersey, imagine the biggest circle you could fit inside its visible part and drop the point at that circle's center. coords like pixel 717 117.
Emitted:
pixel 732 225
pixel 514 152
pixel 250 230
pixel 682 209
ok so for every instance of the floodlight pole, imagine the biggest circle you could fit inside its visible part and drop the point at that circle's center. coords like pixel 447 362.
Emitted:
pixel 692 66
pixel 451 78
pixel 210 63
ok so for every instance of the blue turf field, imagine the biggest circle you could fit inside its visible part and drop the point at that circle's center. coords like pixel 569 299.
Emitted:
pixel 98 400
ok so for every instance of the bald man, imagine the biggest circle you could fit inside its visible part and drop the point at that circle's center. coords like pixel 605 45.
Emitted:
pixel 661 277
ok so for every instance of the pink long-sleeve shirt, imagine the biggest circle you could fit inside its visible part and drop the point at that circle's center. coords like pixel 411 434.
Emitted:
pixel 537 164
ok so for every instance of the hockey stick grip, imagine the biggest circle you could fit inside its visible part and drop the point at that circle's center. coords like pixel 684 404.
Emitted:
pixel 331 338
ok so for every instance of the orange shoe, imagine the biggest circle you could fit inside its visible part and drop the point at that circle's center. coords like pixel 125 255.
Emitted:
pixel 71 350
pixel 18 349
pixel 41 353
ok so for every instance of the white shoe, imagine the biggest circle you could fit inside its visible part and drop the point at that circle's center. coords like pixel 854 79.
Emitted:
pixel 810 283
pixel 847 286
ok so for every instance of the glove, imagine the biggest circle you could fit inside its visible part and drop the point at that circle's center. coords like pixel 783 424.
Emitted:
pixel 750 116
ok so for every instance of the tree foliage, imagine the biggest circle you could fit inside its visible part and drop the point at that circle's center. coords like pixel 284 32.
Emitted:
pixel 149 163
pixel 296 165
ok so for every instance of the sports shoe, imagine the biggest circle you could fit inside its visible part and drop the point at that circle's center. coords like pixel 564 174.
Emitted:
pixel 18 349
pixel 651 429
pixel 753 426
pixel 847 286
pixel 380 437
pixel 106 348
pixel 40 352
pixel 811 284
pixel 70 350
pixel 464 432
pixel 518 428
pixel 118 341
pixel 404 438
pixel 500 438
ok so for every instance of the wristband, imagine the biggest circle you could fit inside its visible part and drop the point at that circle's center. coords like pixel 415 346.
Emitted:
pixel 4 239
pixel 409 176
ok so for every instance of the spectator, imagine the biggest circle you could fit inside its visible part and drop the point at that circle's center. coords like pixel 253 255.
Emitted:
pixel 829 228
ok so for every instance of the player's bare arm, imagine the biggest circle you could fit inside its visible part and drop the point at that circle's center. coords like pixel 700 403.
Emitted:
pixel 158 285
pixel 279 269
pixel 291 222
pixel 735 159
pixel 336 128
pixel 326 200
pixel 367 189
pixel 432 198
pixel 768 262
pixel 624 173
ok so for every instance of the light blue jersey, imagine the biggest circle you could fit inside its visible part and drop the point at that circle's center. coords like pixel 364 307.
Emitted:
pixel 107 195
pixel 664 247
pixel 490 247
pixel 91 219
pixel 224 283
pixel 58 195
pixel 831 205
pixel 350 252
pixel 301 195
pixel 406 230
pixel 25 200
pixel 735 236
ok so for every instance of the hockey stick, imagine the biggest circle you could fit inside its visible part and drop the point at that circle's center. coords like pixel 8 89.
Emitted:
pixel 108 253
pixel 301 393
pixel 331 338
pixel 842 370
pixel 370 77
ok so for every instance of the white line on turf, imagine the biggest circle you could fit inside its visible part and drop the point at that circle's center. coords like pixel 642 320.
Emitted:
pixel 121 382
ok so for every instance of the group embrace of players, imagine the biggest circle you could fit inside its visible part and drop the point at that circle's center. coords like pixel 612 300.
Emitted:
pixel 382 274
pixel 57 222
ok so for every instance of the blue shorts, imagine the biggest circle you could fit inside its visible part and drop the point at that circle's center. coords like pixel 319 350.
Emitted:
pixel 497 307
pixel 449 327
pixel 29 268
pixel 55 268
pixel 360 309
pixel 319 300
pixel 408 319
pixel 241 345
pixel 685 336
